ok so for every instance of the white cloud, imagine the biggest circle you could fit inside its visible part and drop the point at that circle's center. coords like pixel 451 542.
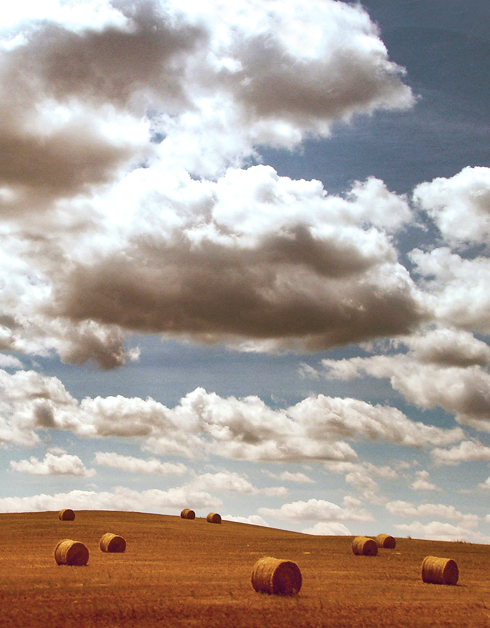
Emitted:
pixel 401 508
pixel 205 423
pixel 64 464
pixel 316 510
pixel 451 375
pixel 422 482
pixel 188 89
pixel 138 465
pixel 324 528
pixel 255 520
pixel 287 476
pixel 466 451
pixel 233 482
pixel 120 498
pixel 439 531
pixel 460 206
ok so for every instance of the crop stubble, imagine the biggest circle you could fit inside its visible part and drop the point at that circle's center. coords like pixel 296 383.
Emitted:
pixel 197 574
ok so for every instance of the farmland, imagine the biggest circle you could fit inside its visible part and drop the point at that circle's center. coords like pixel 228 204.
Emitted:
pixel 178 572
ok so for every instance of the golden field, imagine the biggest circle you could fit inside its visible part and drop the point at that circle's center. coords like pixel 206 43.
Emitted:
pixel 178 572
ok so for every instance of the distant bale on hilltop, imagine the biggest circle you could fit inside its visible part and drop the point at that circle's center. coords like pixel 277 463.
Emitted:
pixel 66 515
pixel 213 517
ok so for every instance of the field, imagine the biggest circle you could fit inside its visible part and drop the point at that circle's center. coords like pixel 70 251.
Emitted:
pixel 178 572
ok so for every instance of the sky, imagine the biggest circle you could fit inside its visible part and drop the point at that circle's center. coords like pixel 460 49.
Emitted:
pixel 244 262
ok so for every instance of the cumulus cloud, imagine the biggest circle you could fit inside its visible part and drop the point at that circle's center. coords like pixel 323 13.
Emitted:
pixel 445 368
pixel 441 531
pixel 466 451
pixel 138 465
pixel 120 498
pixel 164 104
pixel 422 482
pixel 317 510
pixel 205 423
pixel 235 483
pixel 331 528
pixel 401 508
pixel 287 476
pixel 255 520
pixel 459 206
pixel 65 464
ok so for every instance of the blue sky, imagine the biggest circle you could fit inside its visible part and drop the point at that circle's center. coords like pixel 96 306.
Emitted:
pixel 245 262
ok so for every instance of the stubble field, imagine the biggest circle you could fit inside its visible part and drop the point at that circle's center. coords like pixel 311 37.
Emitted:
pixel 178 572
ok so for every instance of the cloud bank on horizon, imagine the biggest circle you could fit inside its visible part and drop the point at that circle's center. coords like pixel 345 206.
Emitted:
pixel 134 200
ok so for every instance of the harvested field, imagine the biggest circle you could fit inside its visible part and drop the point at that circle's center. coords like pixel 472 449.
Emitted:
pixel 183 576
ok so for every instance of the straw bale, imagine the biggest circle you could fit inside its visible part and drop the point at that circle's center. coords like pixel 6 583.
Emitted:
pixel 385 541
pixel 66 515
pixel 69 552
pixel 187 513
pixel 112 543
pixel 213 517
pixel 363 546
pixel 439 570
pixel 276 576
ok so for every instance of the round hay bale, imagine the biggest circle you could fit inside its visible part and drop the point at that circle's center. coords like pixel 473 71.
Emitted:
pixel 385 541
pixel 66 515
pixel 213 517
pixel 112 543
pixel 69 552
pixel 439 570
pixel 363 546
pixel 276 576
pixel 187 513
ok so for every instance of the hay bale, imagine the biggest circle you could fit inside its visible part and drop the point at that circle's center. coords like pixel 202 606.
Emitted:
pixel 439 570
pixel 69 552
pixel 385 541
pixel 213 517
pixel 187 513
pixel 276 576
pixel 363 546
pixel 112 543
pixel 66 515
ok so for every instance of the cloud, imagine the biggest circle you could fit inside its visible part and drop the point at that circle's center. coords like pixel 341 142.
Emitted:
pixel 120 498
pixel 401 508
pixel 445 368
pixel 287 476
pixel 332 528
pixel 439 531
pixel 459 206
pixel 466 451
pixel 255 520
pixel 205 423
pixel 233 482
pixel 138 465
pixel 148 112
pixel 422 482
pixel 316 510
pixel 64 464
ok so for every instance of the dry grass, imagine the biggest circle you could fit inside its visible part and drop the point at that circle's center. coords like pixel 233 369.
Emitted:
pixel 179 575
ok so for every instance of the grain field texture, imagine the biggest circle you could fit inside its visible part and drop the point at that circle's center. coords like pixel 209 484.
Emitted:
pixel 178 573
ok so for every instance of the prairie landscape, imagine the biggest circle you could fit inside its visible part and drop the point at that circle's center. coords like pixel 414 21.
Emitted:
pixel 178 572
